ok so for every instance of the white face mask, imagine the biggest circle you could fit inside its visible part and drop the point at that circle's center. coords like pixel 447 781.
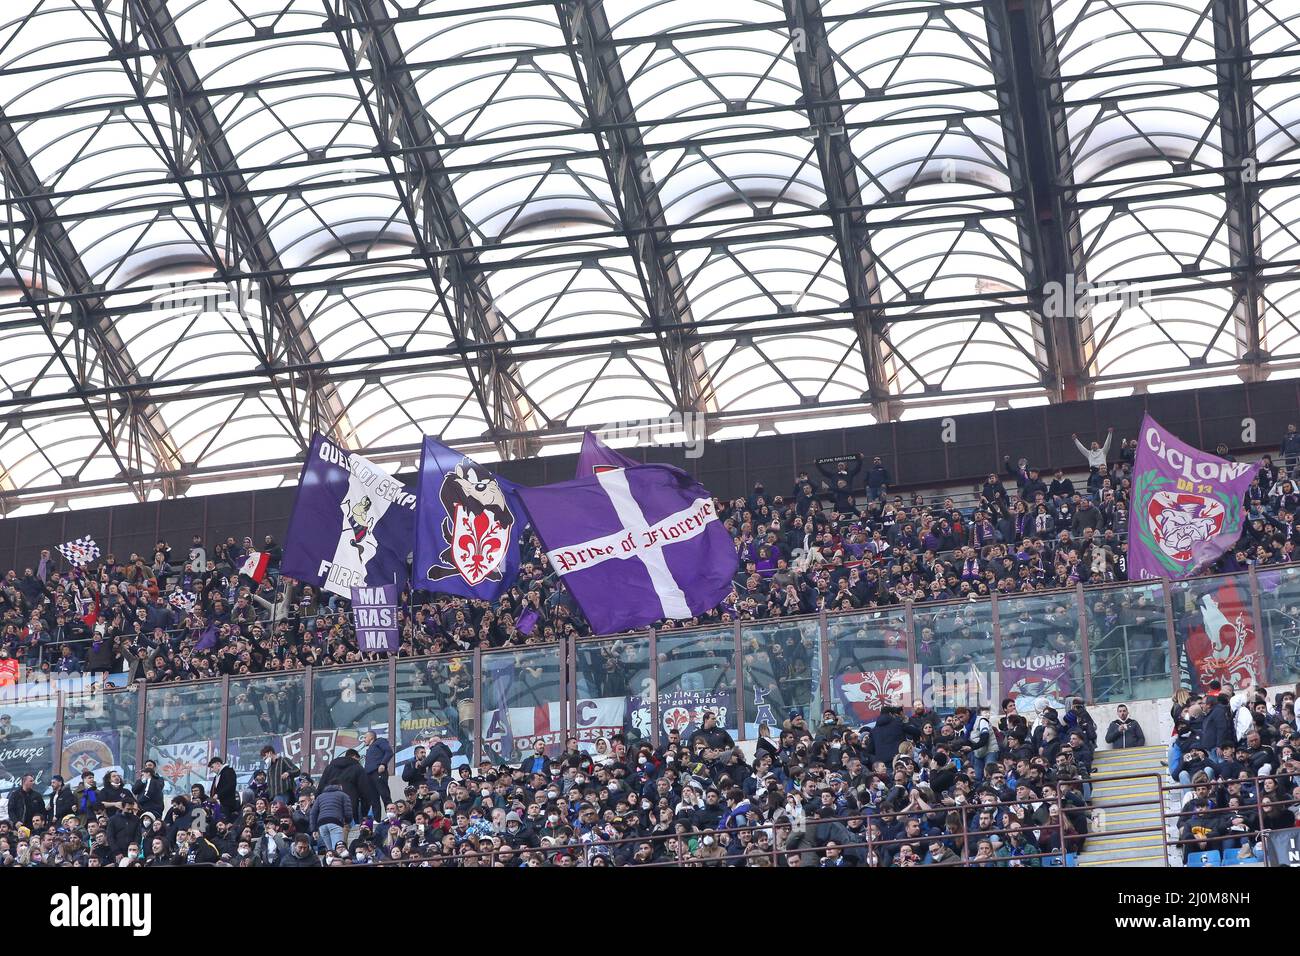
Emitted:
pixel 553 794
pixel 486 791
pixel 553 818
pixel 645 804
pixel 641 760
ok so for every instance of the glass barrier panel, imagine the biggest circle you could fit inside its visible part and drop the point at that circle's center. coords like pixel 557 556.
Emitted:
pixel 264 710
pixel 28 711
pixel 1128 644
pixel 613 692
pixel 182 733
pixel 1215 630
pixel 522 693
pixel 1279 608
pixel 955 655
pixel 868 663
pixel 782 663
pixel 435 703
pixel 99 734
pixel 697 672
pixel 347 702
pixel 1041 662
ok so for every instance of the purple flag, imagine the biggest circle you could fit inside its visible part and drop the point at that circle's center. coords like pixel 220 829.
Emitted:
pixel 352 524
pixel 635 544
pixel 596 457
pixel 1187 505
pixel 466 527
pixel 527 621
pixel 374 617
pixel 208 639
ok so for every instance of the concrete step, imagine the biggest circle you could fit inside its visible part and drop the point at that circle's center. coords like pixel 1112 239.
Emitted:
pixel 1105 840
pixel 1126 818
pixel 1135 765
pixel 1144 860
pixel 1151 750
pixel 1117 853
pixel 1125 797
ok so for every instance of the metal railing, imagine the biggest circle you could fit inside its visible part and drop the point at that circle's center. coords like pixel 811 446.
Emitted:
pixel 644 684
pixel 781 830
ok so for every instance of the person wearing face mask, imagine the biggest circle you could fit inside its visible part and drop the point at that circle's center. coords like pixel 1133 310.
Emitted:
pixel 124 828
pixel 518 834
pixel 487 798
pixel 554 823
pixel 131 857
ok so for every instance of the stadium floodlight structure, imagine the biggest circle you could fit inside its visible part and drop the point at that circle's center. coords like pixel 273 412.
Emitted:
pixel 224 225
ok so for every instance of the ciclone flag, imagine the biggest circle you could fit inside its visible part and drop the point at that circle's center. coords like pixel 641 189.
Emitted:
pixel 467 526
pixel 1187 505
pixel 634 545
pixel 254 565
pixel 596 457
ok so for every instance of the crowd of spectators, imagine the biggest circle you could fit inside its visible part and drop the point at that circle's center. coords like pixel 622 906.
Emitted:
pixel 837 541
pixel 915 788
pixel 1238 755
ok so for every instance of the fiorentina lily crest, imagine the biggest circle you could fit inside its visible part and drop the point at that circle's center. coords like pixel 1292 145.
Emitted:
pixel 479 544
pixel 477 526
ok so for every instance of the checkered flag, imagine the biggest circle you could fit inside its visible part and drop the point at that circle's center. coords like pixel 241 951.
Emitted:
pixel 80 552
pixel 184 600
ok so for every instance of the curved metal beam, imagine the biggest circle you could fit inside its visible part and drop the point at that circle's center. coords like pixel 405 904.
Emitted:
pixel 434 214
pixel 821 94
pixel 245 226
pixel 1237 131
pixel 627 166
pixel 89 320
pixel 1023 44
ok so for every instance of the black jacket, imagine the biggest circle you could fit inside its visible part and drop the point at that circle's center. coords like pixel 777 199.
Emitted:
pixel 60 804
pixel 149 795
pixel 123 831
pixel 347 773
pixel 1129 736
pixel 24 803
pixel 889 732
pixel 225 790
pixel 715 738
pixel 1217 730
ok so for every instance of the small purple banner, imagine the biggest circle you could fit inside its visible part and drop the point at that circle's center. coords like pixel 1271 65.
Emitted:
pixel 374 616
pixel 1187 505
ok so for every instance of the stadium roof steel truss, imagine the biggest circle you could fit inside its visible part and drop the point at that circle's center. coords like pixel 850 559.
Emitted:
pixel 224 225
